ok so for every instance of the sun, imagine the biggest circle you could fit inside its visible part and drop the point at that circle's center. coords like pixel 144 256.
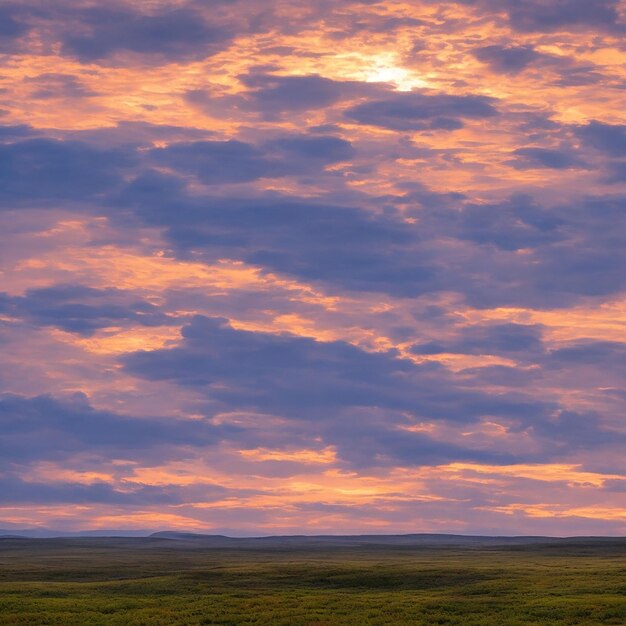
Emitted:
pixel 375 67
pixel 385 69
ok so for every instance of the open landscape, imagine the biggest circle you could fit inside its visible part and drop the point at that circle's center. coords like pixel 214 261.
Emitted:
pixel 284 283
pixel 171 578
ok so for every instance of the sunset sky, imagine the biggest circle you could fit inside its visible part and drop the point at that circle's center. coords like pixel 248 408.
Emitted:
pixel 331 266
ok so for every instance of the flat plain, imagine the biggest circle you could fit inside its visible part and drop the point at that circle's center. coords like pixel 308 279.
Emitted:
pixel 181 579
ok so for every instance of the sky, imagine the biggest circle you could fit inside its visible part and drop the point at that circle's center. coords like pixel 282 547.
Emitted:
pixel 282 266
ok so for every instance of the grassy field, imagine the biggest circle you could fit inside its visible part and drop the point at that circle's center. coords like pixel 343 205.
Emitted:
pixel 156 582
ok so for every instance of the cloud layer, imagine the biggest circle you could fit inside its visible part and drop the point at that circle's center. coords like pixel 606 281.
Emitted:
pixel 313 267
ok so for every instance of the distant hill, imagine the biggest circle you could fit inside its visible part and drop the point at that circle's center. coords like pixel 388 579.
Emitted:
pixel 388 541
pixel 187 540
pixel 2 536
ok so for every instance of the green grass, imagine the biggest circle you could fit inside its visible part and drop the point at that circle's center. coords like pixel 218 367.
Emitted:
pixel 84 582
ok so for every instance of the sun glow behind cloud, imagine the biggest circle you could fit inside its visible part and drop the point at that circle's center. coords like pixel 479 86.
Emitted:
pixel 385 68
